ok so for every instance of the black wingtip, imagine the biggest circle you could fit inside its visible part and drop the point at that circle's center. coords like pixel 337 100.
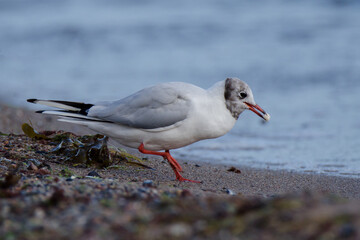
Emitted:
pixel 40 111
pixel 32 100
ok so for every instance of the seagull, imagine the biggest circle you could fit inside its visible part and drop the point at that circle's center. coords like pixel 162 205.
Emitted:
pixel 163 117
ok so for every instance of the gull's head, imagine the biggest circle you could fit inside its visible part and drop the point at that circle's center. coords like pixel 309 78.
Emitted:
pixel 239 97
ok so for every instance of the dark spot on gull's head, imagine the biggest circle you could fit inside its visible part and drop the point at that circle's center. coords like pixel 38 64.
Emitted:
pixel 236 93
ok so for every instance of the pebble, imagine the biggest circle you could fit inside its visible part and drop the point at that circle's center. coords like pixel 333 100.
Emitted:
pixel 143 190
pixel 2 159
pixel 143 193
pixel 34 161
pixel 185 193
pixel 148 183
pixel 347 231
pixel 32 166
pixel 180 230
pixel 135 179
pixel 3 167
pixel 229 191
pixel 93 174
pixel 41 152
pixel 234 169
pixel 70 178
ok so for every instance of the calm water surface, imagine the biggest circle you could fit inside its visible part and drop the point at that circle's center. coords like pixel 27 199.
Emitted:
pixel 302 60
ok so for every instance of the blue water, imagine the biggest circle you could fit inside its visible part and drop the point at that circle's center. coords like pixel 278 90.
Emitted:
pixel 301 59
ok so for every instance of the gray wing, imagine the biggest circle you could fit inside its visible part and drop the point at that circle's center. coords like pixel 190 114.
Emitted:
pixel 154 107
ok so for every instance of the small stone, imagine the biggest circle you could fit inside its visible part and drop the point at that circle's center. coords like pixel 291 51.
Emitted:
pixel 347 231
pixel 45 165
pixel 148 183
pixel 9 181
pixel 135 179
pixel 2 159
pixel 39 213
pixel 3 167
pixel 70 178
pixel 229 191
pixel 185 193
pixel 267 117
pixel 35 161
pixel 180 230
pixel 234 169
pixel 143 190
pixel 93 174
pixel 197 165
pixel 32 166
pixel 43 171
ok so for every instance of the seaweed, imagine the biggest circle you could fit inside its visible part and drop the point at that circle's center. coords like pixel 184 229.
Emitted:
pixel 30 132
pixel 87 150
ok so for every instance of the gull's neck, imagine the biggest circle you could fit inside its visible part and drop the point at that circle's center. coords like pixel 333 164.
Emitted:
pixel 218 89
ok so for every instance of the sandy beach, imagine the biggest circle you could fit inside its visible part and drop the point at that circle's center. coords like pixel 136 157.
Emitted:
pixel 113 189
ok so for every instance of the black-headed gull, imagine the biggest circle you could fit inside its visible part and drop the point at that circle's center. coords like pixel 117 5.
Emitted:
pixel 165 116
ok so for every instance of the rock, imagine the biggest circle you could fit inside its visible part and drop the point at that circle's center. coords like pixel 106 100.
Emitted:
pixel 3 167
pixel 41 152
pixel 32 166
pixel 93 174
pixel 180 230
pixel 142 190
pixel 135 179
pixel 43 171
pixel 71 178
pixel 229 191
pixel 234 169
pixel 347 231
pixel 3 159
pixel 35 161
pixel 185 193
pixel 148 183
pixel 9 181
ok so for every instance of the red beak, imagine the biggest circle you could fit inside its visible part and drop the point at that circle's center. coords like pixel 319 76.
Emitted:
pixel 259 111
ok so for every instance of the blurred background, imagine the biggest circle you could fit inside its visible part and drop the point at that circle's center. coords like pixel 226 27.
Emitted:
pixel 301 59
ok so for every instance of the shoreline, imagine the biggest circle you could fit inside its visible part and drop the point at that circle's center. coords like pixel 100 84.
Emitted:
pixel 216 177
pixel 13 117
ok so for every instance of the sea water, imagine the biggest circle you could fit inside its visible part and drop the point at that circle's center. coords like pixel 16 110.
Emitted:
pixel 301 59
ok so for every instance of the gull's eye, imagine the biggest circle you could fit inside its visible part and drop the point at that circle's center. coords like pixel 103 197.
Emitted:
pixel 242 95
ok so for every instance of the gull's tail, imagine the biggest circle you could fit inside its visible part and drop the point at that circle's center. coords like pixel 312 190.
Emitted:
pixel 70 111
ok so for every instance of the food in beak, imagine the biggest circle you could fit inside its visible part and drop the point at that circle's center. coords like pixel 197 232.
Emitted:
pixel 259 111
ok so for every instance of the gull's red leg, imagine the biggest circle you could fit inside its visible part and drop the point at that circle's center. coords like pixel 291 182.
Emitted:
pixel 166 155
pixel 181 178
pixel 173 163
pixel 177 165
